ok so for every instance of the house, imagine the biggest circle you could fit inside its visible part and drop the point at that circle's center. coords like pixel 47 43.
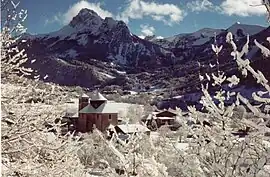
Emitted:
pixel 131 129
pixel 165 117
pixel 85 113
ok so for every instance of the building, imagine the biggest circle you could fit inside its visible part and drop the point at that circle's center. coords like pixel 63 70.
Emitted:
pixel 165 117
pixel 97 112
pixel 132 129
pixel 85 113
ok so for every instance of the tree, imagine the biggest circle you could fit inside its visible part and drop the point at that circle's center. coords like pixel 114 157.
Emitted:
pixel 27 147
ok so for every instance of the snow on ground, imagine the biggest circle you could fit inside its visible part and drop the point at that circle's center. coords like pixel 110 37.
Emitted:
pixel 178 97
pixel 124 108
pixel 133 92
pixel 182 146
pixel 189 97
pixel 62 61
pixel 107 75
pixel 154 135
pixel 266 143
pixel 121 72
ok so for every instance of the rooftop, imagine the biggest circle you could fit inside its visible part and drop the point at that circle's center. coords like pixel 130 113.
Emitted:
pixel 98 97
pixel 103 108
pixel 132 128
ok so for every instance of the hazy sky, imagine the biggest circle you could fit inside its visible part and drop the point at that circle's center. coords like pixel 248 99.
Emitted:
pixel 147 17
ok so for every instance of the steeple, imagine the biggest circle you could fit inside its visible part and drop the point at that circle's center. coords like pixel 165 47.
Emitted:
pixel 97 99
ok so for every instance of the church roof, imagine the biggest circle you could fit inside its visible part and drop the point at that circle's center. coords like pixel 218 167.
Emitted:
pixel 98 97
pixel 103 108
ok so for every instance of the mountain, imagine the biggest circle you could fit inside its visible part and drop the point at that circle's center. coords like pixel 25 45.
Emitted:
pixel 188 46
pixel 202 36
pixel 92 51
pixel 241 30
pixel 90 36
pixel 188 40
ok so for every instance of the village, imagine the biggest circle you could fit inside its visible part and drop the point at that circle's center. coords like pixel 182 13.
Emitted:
pixel 86 113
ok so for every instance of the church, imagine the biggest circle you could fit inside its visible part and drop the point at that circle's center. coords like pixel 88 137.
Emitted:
pixel 97 111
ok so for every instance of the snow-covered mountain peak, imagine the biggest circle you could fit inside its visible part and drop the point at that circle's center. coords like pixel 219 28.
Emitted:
pixel 86 19
pixel 241 30
pixel 87 12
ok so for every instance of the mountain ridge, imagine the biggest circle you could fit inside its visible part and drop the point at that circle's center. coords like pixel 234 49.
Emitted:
pixel 93 51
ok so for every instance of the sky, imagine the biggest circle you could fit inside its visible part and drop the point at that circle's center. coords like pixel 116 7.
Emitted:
pixel 162 18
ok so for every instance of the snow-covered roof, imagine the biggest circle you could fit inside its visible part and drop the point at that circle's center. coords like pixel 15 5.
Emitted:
pixel 132 128
pixel 84 96
pixel 103 108
pixel 98 97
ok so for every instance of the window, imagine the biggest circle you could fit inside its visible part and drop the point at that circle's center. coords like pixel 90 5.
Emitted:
pixel 110 117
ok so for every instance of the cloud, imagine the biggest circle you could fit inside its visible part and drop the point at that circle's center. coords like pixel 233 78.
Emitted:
pixel 242 7
pixel 147 30
pixel 229 7
pixel 137 9
pixel 54 19
pixel 201 5
pixel 75 8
